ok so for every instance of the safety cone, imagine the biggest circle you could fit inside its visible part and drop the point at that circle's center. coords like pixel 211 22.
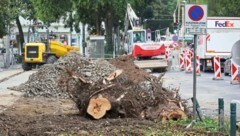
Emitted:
pixel 217 69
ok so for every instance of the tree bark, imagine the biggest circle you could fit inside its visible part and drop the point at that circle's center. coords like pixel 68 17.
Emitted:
pixel 109 26
pixel 21 35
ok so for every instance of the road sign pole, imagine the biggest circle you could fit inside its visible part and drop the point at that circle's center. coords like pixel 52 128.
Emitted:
pixel 194 78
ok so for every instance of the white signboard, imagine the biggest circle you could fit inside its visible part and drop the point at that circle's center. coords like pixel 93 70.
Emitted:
pixel 196 19
pixel 223 23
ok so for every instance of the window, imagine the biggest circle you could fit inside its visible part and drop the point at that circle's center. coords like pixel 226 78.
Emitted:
pixel 139 36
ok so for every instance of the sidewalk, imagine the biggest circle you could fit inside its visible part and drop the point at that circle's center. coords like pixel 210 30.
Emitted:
pixel 5 73
pixel 9 97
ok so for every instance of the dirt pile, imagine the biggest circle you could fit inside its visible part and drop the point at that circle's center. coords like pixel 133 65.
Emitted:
pixel 101 89
pixel 126 63
pixel 45 82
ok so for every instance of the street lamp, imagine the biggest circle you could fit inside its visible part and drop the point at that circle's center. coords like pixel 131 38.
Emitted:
pixel 183 20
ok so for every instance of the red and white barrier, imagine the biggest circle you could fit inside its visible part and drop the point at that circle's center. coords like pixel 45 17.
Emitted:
pixel 188 63
pixel 191 53
pixel 234 73
pixel 217 69
pixel 198 73
pixel 181 61
pixel 167 53
pixel 188 50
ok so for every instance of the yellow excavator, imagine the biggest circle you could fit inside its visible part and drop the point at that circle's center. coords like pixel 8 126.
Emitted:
pixel 36 53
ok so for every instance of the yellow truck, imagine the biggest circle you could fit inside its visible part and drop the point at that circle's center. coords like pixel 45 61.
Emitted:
pixel 40 53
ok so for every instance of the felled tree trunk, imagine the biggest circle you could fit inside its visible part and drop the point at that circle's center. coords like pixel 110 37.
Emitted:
pixel 115 96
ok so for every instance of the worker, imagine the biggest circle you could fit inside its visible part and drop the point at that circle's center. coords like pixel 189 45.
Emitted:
pixel 137 38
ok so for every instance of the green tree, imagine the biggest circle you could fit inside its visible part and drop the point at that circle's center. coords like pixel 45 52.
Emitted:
pixel 228 8
pixel 4 17
pixel 94 12
pixel 162 15
pixel 50 11
pixel 22 8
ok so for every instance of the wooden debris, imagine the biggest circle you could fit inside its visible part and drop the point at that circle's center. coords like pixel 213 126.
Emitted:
pixel 115 74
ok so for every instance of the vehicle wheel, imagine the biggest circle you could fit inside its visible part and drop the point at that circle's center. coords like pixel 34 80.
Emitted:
pixel 26 66
pixel 226 74
pixel 201 68
pixel 51 59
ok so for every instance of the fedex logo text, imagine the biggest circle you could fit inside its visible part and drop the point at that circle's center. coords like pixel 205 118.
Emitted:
pixel 224 24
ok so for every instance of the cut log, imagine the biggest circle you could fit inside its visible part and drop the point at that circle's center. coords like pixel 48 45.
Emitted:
pixel 98 107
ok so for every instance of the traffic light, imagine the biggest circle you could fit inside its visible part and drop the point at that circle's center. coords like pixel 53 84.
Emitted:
pixel 175 27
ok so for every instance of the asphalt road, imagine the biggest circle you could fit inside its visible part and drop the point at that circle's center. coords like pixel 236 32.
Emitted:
pixel 208 90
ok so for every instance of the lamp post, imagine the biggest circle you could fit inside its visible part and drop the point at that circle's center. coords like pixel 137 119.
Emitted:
pixel 183 21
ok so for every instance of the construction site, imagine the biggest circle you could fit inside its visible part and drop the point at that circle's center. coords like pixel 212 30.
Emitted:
pixel 79 96
pixel 102 69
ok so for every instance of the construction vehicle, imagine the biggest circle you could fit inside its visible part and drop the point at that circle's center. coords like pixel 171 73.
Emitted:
pixel 148 54
pixel 222 33
pixel 39 53
pixel 235 58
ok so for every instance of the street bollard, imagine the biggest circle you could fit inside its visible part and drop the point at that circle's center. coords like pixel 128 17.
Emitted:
pixel 233 119
pixel 220 114
pixel 198 110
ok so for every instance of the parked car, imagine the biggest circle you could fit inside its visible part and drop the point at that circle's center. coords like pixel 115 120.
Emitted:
pixel 227 67
pixel 2 50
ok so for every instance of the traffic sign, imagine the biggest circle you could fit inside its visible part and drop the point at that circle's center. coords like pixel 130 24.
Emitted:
pixel 175 38
pixel 195 13
pixel 196 19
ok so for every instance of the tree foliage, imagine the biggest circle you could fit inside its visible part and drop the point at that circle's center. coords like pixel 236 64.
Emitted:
pixel 10 12
pixel 50 11
pixel 228 8
pixel 4 17
pixel 162 15
pixel 94 12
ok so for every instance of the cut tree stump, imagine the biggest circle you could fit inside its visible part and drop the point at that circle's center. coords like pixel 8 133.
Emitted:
pixel 98 107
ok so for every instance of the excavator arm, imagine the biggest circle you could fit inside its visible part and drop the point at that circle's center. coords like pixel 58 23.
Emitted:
pixel 131 18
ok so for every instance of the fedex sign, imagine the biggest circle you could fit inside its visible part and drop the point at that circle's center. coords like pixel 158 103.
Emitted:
pixel 224 24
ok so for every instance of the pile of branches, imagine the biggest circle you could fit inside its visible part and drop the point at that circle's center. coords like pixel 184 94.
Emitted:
pixel 101 90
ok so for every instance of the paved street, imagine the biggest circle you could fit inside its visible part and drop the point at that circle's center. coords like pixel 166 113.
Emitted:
pixel 208 90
